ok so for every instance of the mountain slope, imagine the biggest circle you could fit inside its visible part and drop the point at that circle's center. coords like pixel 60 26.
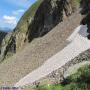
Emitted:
pixel 37 21
pixel 2 36
pixel 35 53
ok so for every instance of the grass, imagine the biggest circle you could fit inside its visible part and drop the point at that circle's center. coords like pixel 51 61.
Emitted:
pixel 77 81
pixel 78 1
pixel 22 24
pixel 46 87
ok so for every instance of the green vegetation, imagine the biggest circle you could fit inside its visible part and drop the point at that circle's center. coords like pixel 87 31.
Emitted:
pixel 46 87
pixel 77 81
pixel 23 23
pixel 78 1
pixel 32 10
pixel 21 29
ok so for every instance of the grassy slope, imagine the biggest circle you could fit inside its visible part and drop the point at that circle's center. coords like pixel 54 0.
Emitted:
pixel 77 81
pixel 22 24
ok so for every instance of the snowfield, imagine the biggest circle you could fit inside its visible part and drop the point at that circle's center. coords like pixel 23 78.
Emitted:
pixel 78 44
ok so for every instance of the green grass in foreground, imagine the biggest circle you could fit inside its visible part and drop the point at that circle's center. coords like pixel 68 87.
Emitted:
pixel 77 81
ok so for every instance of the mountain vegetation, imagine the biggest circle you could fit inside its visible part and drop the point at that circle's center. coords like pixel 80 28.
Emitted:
pixel 78 81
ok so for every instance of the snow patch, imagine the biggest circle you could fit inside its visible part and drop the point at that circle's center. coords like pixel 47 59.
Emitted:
pixel 80 30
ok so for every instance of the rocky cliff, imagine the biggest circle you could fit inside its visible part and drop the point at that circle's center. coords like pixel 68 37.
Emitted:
pixel 37 21
pixel 2 35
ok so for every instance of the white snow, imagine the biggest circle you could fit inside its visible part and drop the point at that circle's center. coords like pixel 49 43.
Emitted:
pixel 79 43
pixel 80 30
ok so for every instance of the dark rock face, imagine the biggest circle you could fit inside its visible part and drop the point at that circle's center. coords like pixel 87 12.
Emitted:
pixel 2 35
pixel 48 15
pixel 86 20
pixel 85 10
pixel 85 6
pixel 8 45
pixel 11 47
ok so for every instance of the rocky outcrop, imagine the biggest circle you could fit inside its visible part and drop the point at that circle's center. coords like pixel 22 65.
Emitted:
pixel 4 46
pixel 47 16
pixel 85 10
pixel 37 21
pixel 85 6
pixel 2 35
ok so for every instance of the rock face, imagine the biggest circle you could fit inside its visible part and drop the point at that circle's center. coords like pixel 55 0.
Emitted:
pixel 85 6
pixel 37 21
pixel 85 10
pixel 4 46
pixel 47 16
pixel 2 35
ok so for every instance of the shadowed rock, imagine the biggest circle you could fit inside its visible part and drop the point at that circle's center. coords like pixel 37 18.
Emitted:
pixel 85 10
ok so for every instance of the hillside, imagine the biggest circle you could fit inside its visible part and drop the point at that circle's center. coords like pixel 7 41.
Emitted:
pixel 37 52
pixel 37 21
pixel 41 33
